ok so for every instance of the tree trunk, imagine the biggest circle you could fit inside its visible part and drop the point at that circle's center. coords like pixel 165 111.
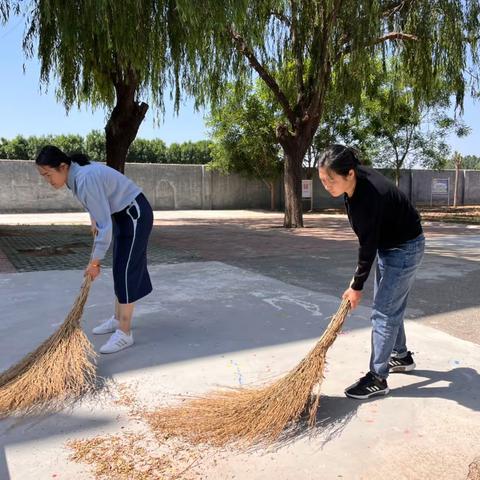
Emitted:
pixel 124 122
pixel 295 147
pixel 293 190
pixel 311 193
pixel 272 195
pixel 455 190
pixel 271 188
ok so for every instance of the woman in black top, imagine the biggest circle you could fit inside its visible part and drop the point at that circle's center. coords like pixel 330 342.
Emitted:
pixel 388 228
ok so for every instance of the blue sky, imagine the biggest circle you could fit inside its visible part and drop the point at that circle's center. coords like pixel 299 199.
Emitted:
pixel 25 110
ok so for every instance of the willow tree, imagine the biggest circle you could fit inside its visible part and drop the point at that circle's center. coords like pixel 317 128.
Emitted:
pixel 8 7
pixel 333 46
pixel 114 54
pixel 4 11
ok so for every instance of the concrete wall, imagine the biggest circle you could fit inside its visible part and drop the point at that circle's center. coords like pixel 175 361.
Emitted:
pixel 232 191
pixel 471 182
pixel 23 190
pixel 169 187
pixel 421 187
pixel 195 187
pixel 166 186
pixel 417 184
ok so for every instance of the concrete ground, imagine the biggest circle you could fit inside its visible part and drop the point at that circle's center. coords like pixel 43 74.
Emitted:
pixel 239 300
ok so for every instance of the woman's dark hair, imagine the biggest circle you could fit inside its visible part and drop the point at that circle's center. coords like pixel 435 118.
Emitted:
pixel 51 156
pixel 340 159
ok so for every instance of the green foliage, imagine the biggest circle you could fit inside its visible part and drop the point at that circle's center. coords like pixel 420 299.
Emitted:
pixel 428 40
pixel 314 56
pixel 147 151
pixel 468 162
pixel 392 128
pixel 93 145
pixel 69 143
pixel 307 52
pixel 243 134
pixel 346 127
pixel 15 148
pixel 190 153
pixel 414 137
pixel 27 148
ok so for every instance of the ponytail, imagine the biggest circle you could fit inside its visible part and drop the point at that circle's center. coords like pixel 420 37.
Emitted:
pixel 80 158
pixel 53 157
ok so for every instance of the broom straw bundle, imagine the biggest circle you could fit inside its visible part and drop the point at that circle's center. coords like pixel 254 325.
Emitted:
pixel 253 415
pixel 59 370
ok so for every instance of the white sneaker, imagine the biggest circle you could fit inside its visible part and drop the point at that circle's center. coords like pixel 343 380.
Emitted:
pixel 109 326
pixel 118 341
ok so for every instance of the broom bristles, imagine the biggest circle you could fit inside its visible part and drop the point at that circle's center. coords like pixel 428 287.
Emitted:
pixel 253 415
pixel 62 368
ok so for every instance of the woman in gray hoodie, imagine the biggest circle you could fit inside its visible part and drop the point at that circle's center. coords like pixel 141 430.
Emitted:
pixel 119 211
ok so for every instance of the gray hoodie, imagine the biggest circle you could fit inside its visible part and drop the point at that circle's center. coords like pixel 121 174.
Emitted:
pixel 102 191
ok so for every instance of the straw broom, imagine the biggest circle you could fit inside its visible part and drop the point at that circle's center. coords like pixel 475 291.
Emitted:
pixel 253 415
pixel 59 370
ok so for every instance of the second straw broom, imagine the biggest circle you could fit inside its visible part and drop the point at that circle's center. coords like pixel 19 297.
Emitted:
pixel 253 415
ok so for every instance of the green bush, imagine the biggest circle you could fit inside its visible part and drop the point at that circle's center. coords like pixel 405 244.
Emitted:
pixel 93 145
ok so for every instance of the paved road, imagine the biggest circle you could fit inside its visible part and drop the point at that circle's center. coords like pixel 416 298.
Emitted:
pixel 320 257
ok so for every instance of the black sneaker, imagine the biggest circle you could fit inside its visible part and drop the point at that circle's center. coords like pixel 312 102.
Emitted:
pixel 368 386
pixel 399 365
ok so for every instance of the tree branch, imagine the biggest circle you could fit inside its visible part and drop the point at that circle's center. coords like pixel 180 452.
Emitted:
pixel 384 38
pixel 323 67
pixel 394 7
pixel 297 50
pixel 242 48
pixel 391 9
pixel 474 76
pixel 409 140
pixel 393 36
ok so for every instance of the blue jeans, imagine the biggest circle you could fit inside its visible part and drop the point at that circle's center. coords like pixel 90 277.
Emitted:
pixel 395 273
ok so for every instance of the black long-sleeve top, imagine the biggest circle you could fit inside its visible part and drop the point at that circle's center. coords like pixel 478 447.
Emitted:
pixel 381 216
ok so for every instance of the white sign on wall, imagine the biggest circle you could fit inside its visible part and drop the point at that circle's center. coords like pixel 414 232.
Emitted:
pixel 306 189
pixel 440 190
pixel 440 186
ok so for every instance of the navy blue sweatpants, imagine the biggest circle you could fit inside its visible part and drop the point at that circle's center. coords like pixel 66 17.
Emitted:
pixel 131 230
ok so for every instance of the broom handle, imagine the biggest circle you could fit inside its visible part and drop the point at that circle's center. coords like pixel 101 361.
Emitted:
pixel 331 332
pixel 85 287
pixel 94 234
